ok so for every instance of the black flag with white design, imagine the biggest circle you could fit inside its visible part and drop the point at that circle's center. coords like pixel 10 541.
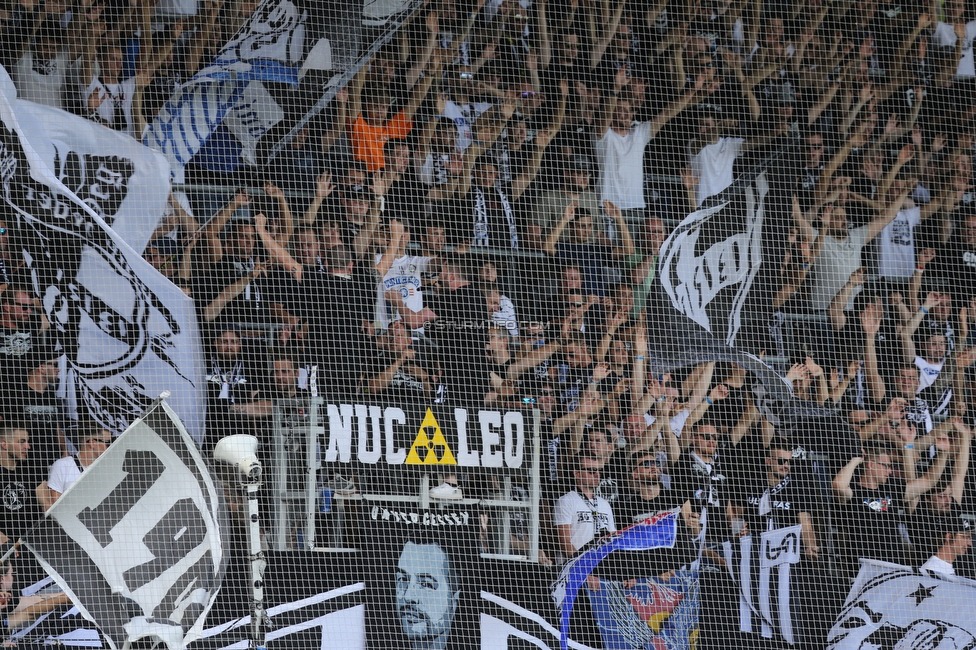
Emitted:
pixel 136 541
pixel 709 262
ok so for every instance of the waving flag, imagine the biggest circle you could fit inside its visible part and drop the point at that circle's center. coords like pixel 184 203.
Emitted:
pixel 269 47
pixel 893 606
pixel 127 333
pixel 710 260
pixel 136 541
pixel 659 531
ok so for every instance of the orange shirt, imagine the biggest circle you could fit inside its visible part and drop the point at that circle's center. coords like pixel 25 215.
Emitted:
pixel 368 140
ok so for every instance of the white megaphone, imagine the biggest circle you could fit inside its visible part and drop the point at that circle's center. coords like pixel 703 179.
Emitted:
pixel 240 451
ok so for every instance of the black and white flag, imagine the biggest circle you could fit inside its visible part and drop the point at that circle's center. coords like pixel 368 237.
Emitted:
pixel 894 606
pixel 127 333
pixel 136 541
pixel 765 562
pixel 709 262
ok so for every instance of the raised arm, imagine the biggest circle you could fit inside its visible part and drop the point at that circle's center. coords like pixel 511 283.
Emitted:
pixel 287 221
pixel 392 248
pixel 841 484
pixel 413 74
pixel 213 228
pixel 275 249
pixel 676 107
pixel 916 488
pixel 871 324
pixel 907 333
pixel 521 182
pixel 886 217
pixel 626 245
pixel 601 42
pixel 228 293
pixel 323 188
pixel 553 238
pixel 420 90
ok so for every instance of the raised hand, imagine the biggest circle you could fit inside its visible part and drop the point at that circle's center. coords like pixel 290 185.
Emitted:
pixel 601 371
pixel 926 256
pixel 871 319
pixel 273 191
pixel 324 186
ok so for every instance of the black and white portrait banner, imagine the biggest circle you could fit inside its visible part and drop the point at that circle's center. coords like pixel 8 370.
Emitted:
pixel 710 260
pixel 127 333
pixel 894 606
pixel 136 542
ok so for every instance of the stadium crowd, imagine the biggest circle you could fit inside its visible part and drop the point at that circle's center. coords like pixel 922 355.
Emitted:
pixel 476 221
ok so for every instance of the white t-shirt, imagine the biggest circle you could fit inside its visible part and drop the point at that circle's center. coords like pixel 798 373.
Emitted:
pixel 463 117
pixel 945 36
pixel 927 373
pixel 713 164
pixel 620 159
pixel 831 271
pixel 403 276
pixel 588 519
pixel 120 99
pixel 677 422
pixel 936 564
pixel 505 316
pixel 434 170
pixel 63 473
pixel 42 82
pixel 897 247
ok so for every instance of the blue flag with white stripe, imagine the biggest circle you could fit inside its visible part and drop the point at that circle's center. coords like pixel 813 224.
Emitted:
pixel 659 531
pixel 269 47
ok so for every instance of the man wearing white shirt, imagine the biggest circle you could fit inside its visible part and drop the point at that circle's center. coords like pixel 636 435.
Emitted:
pixel 959 35
pixel 402 276
pixel 712 155
pixel 459 109
pixel 41 74
pixel 65 471
pixel 896 256
pixel 620 144
pixel 956 538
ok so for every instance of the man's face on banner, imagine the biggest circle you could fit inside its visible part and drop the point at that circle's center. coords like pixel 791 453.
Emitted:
pixel 425 595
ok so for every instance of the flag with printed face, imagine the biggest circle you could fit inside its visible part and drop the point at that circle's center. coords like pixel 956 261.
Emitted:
pixel 127 333
pixel 709 262
pixel 136 542
pixel 898 607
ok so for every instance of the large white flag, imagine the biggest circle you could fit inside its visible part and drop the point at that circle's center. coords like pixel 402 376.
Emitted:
pixel 136 541
pixel 897 607
pixel 122 181
pixel 127 333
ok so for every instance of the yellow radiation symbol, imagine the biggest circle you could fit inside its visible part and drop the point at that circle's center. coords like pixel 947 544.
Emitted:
pixel 430 447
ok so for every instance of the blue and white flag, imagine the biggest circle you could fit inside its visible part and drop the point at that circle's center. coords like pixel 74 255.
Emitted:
pixel 659 531
pixel 269 47
pixel 894 606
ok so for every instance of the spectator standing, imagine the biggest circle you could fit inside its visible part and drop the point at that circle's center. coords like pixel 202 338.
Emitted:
pixel 65 471
pixel 874 502
pixel 620 145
